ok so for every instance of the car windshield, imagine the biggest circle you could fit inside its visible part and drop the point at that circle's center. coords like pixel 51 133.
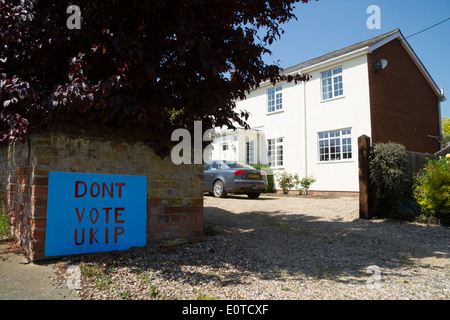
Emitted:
pixel 238 165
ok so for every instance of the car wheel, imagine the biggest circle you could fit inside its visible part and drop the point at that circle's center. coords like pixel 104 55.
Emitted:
pixel 218 189
pixel 253 195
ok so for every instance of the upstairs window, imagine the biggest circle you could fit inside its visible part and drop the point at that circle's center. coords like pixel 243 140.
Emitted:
pixel 332 84
pixel 274 99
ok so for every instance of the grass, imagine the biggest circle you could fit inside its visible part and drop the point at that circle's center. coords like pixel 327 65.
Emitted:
pixel 126 294
pixel 102 280
pixel 153 291
pixel 144 277
pixel 214 276
pixel 89 271
pixel 5 233
pixel 94 272
pixel 204 296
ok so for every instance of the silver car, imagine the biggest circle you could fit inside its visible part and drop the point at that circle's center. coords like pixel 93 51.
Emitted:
pixel 222 177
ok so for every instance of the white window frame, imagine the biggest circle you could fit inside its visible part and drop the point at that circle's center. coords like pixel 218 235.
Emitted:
pixel 335 146
pixel 225 150
pixel 333 80
pixel 275 99
pixel 275 153
pixel 250 152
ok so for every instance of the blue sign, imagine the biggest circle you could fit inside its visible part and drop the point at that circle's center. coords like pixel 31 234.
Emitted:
pixel 95 213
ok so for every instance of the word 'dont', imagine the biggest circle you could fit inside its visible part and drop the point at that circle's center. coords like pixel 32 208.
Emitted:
pixel 94 189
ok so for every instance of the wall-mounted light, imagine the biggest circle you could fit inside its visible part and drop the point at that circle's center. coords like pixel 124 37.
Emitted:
pixel 380 65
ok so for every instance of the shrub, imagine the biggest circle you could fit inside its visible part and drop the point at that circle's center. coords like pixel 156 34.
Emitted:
pixel 4 224
pixel 389 183
pixel 268 171
pixel 432 188
pixel 287 181
pixel 305 184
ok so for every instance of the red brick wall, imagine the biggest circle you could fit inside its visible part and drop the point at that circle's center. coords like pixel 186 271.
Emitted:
pixel 404 108
pixel 174 193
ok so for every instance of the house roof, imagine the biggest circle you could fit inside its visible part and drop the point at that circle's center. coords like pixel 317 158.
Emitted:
pixel 366 46
pixel 338 53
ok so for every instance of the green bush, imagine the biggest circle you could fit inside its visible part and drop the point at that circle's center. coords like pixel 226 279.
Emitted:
pixel 432 188
pixel 287 181
pixel 305 184
pixel 389 183
pixel 268 171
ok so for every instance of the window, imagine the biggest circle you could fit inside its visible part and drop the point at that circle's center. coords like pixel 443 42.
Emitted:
pixel 335 145
pixel 250 152
pixel 275 152
pixel 332 85
pixel 225 151
pixel 274 99
pixel 215 166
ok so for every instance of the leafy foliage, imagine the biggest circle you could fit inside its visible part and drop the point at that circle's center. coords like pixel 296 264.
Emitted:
pixel 270 179
pixel 305 184
pixel 152 65
pixel 4 224
pixel 446 125
pixel 432 188
pixel 446 131
pixel 286 181
pixel 389 184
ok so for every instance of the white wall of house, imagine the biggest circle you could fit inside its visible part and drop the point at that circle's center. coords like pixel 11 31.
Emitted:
pixel 350 111
pixel 300 138
pixel 237 145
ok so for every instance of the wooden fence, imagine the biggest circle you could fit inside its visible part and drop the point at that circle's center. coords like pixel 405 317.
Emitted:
pixel 417 160
pixel 442 153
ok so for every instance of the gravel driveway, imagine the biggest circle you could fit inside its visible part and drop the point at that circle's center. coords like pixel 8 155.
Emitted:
pixel 303 247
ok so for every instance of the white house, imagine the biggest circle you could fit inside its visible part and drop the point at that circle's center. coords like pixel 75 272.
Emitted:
pixel 312 128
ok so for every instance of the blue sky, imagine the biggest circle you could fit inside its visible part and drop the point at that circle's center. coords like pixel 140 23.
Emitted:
pixel 328 25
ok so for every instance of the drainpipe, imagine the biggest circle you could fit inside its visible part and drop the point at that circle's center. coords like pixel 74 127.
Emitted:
pixel 260 146
pixel 306 137
pixel 441 99
pixel 441 137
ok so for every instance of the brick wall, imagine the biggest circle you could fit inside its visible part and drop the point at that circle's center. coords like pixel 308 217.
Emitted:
pixel 404 108
pixel 174 193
